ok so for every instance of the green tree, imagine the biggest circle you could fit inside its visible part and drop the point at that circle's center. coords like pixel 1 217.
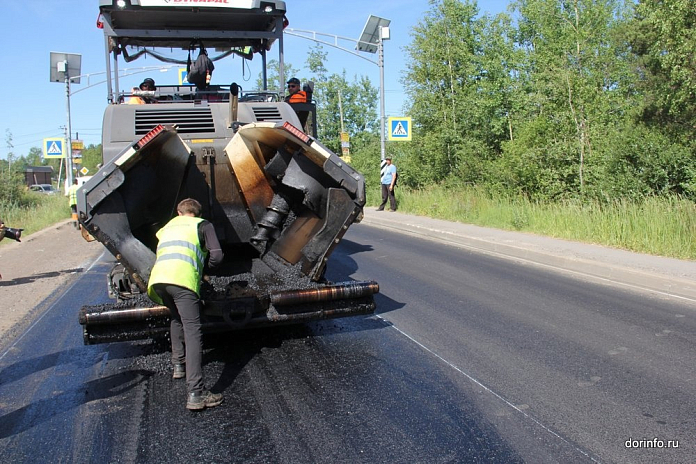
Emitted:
pixel 92 158
pixel 545 106
pixel 575 78
pixel 639 160
pixel 664 38
pixel 35 157
pixel 273 77
pixel 10 150
pixel 11 179
pixel 356 101
pixel 441 81
pixel 500 94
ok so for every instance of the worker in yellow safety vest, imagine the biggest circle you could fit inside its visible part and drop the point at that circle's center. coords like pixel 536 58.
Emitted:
pixel 72 197
pixel 175 281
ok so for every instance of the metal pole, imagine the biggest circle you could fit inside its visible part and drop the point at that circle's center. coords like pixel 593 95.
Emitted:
pixel 69 163
pixel 281 59
pixel 380 50
pixel 117 85
pixel 60 172
pixel 264 71
pixel 340 110
pixel 111 98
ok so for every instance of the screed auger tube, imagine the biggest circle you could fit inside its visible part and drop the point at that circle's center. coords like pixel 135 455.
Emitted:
pixel 338 291
pixel 102 325
pixel 119 316
pixel 157 327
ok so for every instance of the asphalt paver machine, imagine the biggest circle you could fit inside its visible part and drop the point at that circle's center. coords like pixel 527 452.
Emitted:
pixel 280 201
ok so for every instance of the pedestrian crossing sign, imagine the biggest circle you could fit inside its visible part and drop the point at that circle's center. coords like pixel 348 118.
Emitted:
pixel 399 128
pixel 54 148
pixel 183 74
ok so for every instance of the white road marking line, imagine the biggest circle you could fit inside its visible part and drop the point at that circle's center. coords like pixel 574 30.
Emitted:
pixel 489 390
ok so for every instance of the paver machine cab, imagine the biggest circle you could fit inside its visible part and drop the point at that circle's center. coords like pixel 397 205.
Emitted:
pixel 280 201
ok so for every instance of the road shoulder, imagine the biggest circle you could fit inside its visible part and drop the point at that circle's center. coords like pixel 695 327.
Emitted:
pixel 37 268
pixel 666 275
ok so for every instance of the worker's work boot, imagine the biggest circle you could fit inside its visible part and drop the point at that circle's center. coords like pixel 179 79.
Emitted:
pixel 179 371
pixel 201 400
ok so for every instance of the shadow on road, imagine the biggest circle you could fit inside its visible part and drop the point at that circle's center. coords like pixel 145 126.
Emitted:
pixel 42 410
pixel 81 358
pixel 350 248
pixel 35 277
pixel 386 304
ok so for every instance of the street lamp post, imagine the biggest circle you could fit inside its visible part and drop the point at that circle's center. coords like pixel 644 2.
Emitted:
pixel 382 32
pixel 68 137
pixel 64 65
pixel 372 38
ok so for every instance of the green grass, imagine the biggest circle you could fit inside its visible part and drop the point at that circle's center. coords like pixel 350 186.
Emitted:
pixel 46 211
pixel 658 226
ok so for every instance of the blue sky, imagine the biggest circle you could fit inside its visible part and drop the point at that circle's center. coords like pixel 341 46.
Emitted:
pixel 35 108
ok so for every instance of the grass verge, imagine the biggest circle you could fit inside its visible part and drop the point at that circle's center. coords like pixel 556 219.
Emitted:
pixel 46 211
pixel 657 226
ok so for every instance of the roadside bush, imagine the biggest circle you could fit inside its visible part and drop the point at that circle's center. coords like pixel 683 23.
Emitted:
pixel 28 210
pixel 537 164
pixel 640 162
pixel 14 194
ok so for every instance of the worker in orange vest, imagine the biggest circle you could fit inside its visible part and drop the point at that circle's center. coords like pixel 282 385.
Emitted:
pixel 296 95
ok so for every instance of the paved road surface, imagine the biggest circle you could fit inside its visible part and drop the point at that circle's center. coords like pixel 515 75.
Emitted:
pixel 312 393
pixel 47 260
pixel 35 268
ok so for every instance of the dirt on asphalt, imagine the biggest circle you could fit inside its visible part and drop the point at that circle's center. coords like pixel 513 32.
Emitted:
pixel 33 269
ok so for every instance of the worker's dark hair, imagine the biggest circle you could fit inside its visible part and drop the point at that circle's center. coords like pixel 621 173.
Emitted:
pixel 74 181
pixel 189 206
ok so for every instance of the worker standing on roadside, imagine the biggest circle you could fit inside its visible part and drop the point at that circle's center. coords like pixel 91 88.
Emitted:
pixel 388 182
pixel 175 281
pixel 72 198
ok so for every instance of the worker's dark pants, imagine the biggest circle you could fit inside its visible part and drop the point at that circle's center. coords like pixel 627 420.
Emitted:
pixel 185 331
pixel 386 194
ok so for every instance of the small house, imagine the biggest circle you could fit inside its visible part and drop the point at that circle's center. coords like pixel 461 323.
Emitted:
pixel 38 175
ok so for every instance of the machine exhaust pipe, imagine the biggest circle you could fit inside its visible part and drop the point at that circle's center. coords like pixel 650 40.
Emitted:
pixel 234 103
